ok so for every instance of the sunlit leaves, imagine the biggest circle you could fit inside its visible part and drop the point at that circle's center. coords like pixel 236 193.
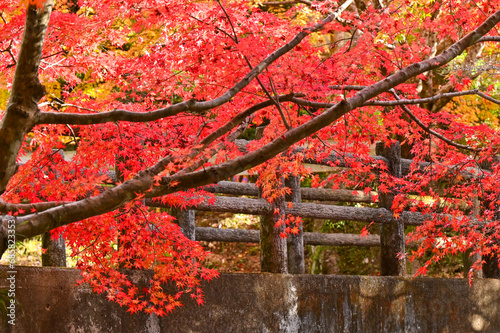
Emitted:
pixel 142 55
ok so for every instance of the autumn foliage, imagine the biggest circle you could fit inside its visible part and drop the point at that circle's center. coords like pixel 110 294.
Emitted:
pixel 161 90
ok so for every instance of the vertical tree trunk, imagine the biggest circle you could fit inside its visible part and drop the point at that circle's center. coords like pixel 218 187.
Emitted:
pixel 26 91
pixel 295 243
pixel 392 241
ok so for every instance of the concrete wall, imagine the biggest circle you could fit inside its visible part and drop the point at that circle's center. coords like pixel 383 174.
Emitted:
pixel 265 303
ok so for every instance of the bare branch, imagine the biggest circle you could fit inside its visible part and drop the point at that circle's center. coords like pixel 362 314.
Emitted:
pixel 428 130
pixel 34 224
pixel 190 105
pixel 9 51
pixel 321 105
pixel 113 116
pixel 488 39
pixel 285 3
pixel 432 98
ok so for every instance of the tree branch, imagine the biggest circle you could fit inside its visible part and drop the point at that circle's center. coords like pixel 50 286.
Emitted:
pixel 34 224
pixel 488 39
pixel 191 105
pixel 25 209
pixel 432 98
pixel 428 130
pixel 225 170
pixel 322 105
pixel 285 3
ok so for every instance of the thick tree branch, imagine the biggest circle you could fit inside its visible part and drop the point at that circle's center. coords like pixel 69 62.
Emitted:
pixel 432 98
pixel 25 209
pixel 322 105
pixel 34 224
pixel 225 170
pixel 322 194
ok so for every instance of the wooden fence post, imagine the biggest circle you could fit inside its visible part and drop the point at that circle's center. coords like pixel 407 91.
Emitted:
pixel 54 251
pixel 490 266
pixel 295 243
pixel 185 218
pixel 273 249
pixel 391 234
pixel 54 254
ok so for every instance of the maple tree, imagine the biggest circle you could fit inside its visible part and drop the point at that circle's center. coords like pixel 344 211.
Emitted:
pixel 162 90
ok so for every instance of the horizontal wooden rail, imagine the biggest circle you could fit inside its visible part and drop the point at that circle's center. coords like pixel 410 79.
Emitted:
pixel 307 210
pixel 319 194
pixel 344 160
pixel 310 238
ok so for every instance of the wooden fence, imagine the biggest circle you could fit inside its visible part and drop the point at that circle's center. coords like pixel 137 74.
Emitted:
pixel 279 255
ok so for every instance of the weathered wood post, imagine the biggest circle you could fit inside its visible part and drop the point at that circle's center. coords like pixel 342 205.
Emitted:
pixel 273 249
pixel 121 159
pixel 54 251
pixel 295 243
pixel 392 235
pixel 468 258
pixel 185 219
pixel 490 266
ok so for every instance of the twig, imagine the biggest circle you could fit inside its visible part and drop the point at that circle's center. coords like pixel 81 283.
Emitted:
pixel 428 130
pixel 216 28
pixel 230 22
pixel 291 2
pixel 9 50
pixel 275 101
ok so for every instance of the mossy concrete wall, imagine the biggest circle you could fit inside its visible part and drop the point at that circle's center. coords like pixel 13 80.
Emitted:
pixel 50 302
